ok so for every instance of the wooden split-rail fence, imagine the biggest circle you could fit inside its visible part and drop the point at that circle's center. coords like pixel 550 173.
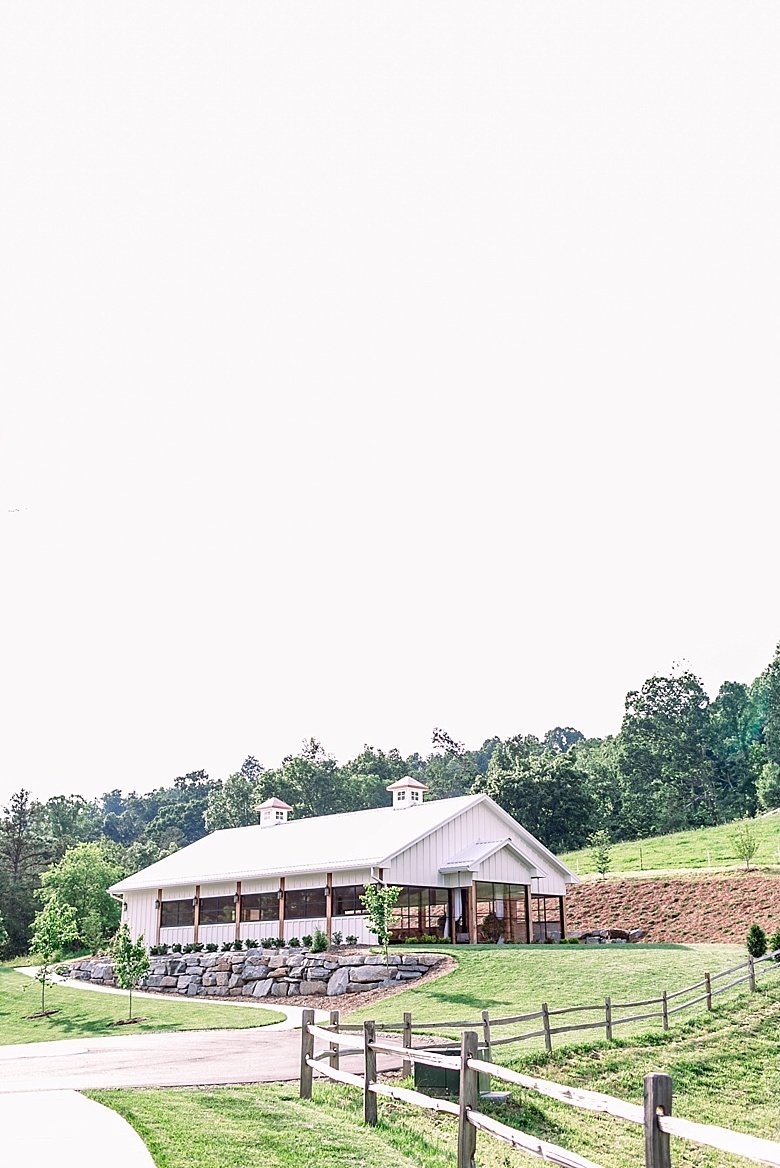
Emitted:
pixel 611 1014
pixel 654 1116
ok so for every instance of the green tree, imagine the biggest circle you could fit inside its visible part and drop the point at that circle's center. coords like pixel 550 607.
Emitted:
pixel 546 793
pixel 378 901
pixel 745 843
pixel 54 929
pixel 3 937
pixel 768 787
pixel 666 762
pixel 310 781
pixel 130 960
pixel 771 691
pixel 69 820
pixel 25 850
pixel 81 879
pixel 756 941
pixel 601 851
pixel 233 803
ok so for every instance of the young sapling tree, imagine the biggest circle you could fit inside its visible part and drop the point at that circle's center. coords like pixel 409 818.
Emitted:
pixel 378 901
pixel 54 928
pixel 131 962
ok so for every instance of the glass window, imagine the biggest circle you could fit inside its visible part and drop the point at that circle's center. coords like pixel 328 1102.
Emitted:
pixel 303 903
pixel 217 910
pixel 347 902
pixel 177 914
pixel 546 917
pixel 260 906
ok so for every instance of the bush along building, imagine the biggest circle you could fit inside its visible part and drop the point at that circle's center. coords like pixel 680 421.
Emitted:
pixel 468 873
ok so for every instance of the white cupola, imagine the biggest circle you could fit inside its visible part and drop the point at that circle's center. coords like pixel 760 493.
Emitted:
pixel 273 811
pixel 407 792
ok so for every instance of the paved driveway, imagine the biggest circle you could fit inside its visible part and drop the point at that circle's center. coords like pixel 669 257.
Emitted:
pixel 183 1059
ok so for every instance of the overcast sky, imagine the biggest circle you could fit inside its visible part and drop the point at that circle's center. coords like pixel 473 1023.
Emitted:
pixel 368 367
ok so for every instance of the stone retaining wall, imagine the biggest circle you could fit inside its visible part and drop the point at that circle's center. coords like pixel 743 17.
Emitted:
pixel 255 973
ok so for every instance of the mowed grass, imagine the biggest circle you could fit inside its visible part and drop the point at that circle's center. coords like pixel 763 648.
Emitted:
pixel 510 980
pixel 706 847
pixel 86 1013
pixel 725 1067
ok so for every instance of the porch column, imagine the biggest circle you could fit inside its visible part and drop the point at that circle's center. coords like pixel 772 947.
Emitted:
pixel 528 932
pixel 472 911
pixel 328 903
pixel 451 916
pixel 238 910
pixel 281 906
pixel 562 902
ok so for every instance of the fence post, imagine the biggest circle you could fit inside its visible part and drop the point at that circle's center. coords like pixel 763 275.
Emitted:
pixel 608 1017
pixel 469 1094
pixel 752 974
pixel 665 1009
pixel 658 1101
pixel 307 1052
pixel 334 1046
pixel 369 1098
pixel 486 1036
pixel 546 1025
pixel 708 990
pixel 406 1069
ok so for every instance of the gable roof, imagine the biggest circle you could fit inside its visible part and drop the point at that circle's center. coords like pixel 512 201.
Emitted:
pixel 471 858
pixel 325 843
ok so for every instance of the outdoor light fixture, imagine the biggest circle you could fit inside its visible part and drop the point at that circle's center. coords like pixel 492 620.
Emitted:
pixel 328 890
pixel 280 894
pixel 124 906
pixel 194 902
pixel 236 898
pixel 157 904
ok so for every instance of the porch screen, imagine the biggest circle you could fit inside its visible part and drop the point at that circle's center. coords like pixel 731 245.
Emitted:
pixel 217 910
pixel 304 903
pixel 260 906
pixel 177 914
pixel 546 918
pixel 501 912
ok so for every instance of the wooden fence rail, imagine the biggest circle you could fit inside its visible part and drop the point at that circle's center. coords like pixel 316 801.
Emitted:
pixel 655 1116
pixel 607 1020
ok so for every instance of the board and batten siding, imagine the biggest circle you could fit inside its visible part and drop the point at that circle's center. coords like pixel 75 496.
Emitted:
pixel 141 915
pixel 504 868
pixel 419 864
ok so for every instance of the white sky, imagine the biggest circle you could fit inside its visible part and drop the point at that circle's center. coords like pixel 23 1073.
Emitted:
pixel 374 366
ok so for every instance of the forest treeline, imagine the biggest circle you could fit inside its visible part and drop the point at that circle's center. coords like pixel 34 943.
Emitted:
pixel 679 760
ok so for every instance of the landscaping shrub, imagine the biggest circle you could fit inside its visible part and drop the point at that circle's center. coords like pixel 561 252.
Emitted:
pixel 336 938
pixel 294 943
pixel 306 941
pixel 197 947
pixel 251 943
pixel 319 941
pixel 774 944
pixel 278 942
pixel 212 947
pixel 188 948
pixel 237 945
pixel 351 939
pixel 756 941
pixel 176 948
pixel 267 942
pixel 227 946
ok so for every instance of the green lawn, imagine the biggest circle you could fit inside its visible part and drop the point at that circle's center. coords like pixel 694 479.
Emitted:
pixel 83 1013
pixel 725 1066
pixel 704 848
pixel 516 980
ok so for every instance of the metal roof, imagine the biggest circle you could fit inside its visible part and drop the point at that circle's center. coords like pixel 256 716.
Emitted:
pixel 472 857
pixel 325 843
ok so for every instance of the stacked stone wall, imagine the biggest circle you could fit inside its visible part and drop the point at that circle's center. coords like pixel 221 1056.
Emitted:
pixel 255 973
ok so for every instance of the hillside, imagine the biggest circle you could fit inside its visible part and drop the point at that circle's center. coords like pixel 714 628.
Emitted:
pixel 704 847
pixel 692 908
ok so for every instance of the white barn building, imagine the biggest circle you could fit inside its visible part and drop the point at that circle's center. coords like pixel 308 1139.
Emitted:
pixel 467 870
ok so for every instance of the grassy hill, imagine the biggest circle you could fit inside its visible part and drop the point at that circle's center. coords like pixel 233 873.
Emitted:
pixel 706 847
pixel 725 1067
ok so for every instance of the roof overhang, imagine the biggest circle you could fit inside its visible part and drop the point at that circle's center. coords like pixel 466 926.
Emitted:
pixel 473 858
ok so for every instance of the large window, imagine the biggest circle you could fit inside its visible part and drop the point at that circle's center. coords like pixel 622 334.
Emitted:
pixel 260 906
pixel 177 914
pixel 347 902
pixel 546 918
pixel 303 903
pixel 500 911
pixel 217 910
pixel 420 911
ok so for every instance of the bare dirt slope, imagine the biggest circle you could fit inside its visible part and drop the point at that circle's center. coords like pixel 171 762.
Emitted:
pixel 712 907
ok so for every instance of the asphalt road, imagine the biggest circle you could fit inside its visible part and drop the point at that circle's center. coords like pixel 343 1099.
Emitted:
pixel 182 1059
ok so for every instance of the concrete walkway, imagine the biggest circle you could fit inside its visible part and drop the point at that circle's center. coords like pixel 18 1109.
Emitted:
pixel 291 1021
pixel 186 1058
pixel 69 1130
